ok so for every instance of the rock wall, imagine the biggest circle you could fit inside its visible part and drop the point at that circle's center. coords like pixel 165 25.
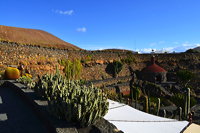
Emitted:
pixel 42 60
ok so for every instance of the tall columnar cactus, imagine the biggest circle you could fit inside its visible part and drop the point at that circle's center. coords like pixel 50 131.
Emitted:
pixel 136 102
pixel 149 104
pixel 180 113
pixel 158 106
pixel 187 102
pixel 146 104
pixel 164 113
pixel 71 100
pixel 185 107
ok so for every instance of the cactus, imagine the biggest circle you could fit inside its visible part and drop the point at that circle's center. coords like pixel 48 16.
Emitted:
pixel 146 104
pixel 187 102
pixel 158 106
pixel 120 97
pixel 71 99
pixel 164 113
pixel 136 102
pixel 149 104
pixel 12 73
pixel 180 113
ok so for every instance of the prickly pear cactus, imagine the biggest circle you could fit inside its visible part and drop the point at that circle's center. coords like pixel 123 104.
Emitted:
pixel 72 100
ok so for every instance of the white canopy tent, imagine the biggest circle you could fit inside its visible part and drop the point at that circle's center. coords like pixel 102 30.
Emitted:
pixel 130 120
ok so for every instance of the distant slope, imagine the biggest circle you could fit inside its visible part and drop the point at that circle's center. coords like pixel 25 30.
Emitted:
pixel 33 37
pixel 194 50
pixel 116 50
pixel 197 49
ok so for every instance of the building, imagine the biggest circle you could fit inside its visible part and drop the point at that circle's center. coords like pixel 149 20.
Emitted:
pixel 153 72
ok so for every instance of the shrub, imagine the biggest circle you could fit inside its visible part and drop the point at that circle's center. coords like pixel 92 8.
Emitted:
pixel 128 60
pixel 72 100
pixel 72 69
pixel 86 59
pixel 185 77
pixel 114 68
pixel 12 73
pixel 111 95
pixel 179 100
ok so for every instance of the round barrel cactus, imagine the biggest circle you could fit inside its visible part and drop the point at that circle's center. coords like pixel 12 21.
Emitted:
pixel 12 73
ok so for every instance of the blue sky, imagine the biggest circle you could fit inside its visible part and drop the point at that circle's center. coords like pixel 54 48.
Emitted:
pixel 172 25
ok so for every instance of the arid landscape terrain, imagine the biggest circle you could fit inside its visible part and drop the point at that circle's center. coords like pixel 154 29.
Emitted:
pixel 119 73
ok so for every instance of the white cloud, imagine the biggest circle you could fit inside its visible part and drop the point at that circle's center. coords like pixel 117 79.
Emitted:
pixel 68 12
pixel 179 48
pixel 152 44
pixel 156 43
pixel 83 29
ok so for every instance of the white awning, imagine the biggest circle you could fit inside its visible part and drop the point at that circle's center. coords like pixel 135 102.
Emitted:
pixel 130 120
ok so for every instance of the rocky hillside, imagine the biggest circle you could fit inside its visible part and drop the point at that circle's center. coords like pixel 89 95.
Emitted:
pixel 197 49
pixel 33 37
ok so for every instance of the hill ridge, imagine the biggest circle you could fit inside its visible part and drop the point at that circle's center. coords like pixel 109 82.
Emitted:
pixel 33 37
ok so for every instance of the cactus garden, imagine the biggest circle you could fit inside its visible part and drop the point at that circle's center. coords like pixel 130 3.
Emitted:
pixel 71 100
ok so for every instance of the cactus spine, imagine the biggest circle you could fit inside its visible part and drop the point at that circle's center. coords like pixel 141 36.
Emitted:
pixel 158 106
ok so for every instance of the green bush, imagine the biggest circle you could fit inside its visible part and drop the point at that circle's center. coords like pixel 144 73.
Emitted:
pixel 185 76
pixel 72 69
pixel 72 100
pixel 114 68
pixel 179 100
pixel 86 59
pixel 129 58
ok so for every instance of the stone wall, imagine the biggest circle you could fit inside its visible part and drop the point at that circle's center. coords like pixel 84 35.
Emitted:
pixel 42 60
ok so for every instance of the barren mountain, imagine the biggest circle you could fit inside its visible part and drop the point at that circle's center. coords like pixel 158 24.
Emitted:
pixel 33 37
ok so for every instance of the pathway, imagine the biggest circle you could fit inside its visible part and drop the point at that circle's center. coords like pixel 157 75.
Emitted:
pixel 16 116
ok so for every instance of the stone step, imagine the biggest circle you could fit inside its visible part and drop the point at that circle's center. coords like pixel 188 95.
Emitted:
pixel 3 117
pixel 1 100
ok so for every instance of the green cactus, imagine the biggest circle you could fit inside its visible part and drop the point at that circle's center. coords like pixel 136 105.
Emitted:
pixel 164 113
pixel 146 104
pixel 71 99
pixel 180 113
pixel 158 106
pixel 149 104
pixel 187 102
pixel 136 102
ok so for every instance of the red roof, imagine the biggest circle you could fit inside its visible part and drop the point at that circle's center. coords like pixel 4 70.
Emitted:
pixel 153 68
